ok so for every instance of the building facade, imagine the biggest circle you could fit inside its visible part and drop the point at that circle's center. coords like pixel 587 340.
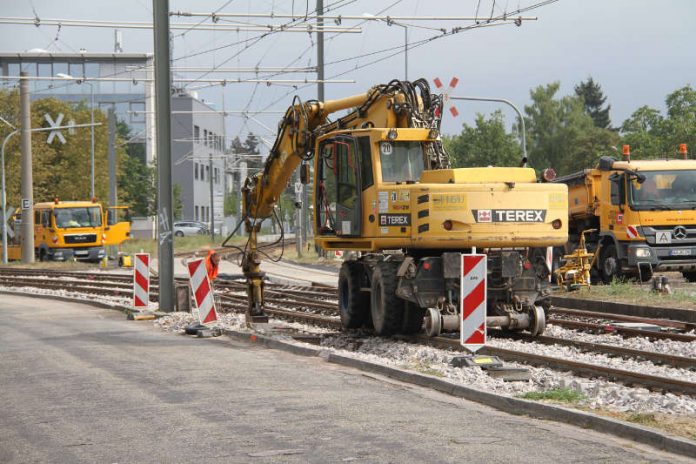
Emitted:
pixel 122 81
pixel 198 157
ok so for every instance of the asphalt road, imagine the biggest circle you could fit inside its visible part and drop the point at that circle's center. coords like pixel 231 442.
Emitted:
pixel 79 384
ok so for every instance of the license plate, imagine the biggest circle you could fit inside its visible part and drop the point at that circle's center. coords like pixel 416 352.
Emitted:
pixel 81 253
pixel 680 252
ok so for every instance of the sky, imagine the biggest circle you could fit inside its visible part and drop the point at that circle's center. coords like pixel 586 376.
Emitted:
pixel 637 50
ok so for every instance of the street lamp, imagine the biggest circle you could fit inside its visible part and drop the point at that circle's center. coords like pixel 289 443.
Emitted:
pixel 80 81
pixel 391 22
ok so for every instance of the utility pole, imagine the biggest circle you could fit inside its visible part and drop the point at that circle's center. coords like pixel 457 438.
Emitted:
pixel 164 154
pixel 27 179
pixel 112 172
pixel 306 224
pixel 211 178
pixel 112 157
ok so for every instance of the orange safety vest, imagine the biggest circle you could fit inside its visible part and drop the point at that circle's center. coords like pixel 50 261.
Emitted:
pixel 211 267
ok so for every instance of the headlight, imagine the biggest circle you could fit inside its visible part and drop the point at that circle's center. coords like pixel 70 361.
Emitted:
pixel 642 252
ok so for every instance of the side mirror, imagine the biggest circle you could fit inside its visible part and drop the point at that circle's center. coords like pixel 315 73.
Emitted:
pixel 606 163
pixel 304 173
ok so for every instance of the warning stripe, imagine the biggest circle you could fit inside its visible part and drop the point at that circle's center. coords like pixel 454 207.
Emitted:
pixel 473 331
pixel 141 280
pixel 202 291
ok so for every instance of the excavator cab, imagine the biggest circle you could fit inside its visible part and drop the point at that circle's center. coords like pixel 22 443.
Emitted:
pixel 340 185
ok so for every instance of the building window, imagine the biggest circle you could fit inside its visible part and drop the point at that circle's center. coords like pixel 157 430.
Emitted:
pixel 196 134
pixel 205 137
pixel 195 171
pixel 217 176
pixel 207 172
pixel 196 209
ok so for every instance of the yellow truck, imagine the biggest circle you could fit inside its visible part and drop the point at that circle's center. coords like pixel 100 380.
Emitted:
pixel 644 212
pixel 65 230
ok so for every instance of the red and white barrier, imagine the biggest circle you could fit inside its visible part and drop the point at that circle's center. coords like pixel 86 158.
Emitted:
pixel 141 281
pixel 473 298
pixel 202 291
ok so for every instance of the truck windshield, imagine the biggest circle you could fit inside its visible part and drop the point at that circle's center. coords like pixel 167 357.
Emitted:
pixel 401 161
pixel 664 190
pixel 67 218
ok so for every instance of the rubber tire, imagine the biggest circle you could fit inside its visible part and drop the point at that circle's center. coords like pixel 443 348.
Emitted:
pixel 386 308
pixel 645 274
pixel 179 233
pixel 353 305
pixel 413 318
pixel 690 276
pixel 609 252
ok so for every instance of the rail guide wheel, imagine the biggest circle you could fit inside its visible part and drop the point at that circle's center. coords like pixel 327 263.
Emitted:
pixel 433 322
pixel 538 323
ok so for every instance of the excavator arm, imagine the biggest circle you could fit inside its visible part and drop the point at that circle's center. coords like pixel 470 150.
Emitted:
pixel 261 192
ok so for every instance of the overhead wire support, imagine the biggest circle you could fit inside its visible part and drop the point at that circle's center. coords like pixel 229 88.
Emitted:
pixel 214 81
pixel 190 27
pixel 339 18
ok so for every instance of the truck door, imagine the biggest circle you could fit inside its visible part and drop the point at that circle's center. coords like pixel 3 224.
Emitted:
pixel 117 225
pixel 338 195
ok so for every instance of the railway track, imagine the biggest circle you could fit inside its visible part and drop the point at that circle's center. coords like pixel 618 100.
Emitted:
pixel 317 306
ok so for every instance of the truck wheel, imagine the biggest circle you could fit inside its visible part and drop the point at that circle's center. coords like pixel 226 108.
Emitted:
pixel 386 308
pixel 413 318
pixel 610 266
pixel 690 276
pixel 353 305
pixel 645 274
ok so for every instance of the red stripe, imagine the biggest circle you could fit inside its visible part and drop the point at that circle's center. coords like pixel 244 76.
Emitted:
pixel 454 111
pixel 144 258
pixel 138 302
pixel 454 82
pixel 202 291
pixel 193 265
pixel 141 281
pixel 477 337
pixel 471 262
pixel 473 299
pixel 210 317
pixel 438 83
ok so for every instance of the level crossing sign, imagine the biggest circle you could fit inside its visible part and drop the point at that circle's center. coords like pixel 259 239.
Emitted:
pixel 202 291
pixel 473 302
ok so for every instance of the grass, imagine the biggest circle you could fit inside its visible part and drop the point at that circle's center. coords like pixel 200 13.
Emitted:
pixel 559 395
pixel 621 291
pixel 181 244
pixel 642 418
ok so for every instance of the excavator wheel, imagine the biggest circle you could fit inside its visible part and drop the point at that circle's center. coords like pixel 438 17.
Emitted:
pixel 353 305
pixel 413 318
pixel 386 308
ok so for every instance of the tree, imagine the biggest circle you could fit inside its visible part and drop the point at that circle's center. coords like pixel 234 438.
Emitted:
pixel 178 204
pixel 593 101
pixel 137 182
pixel 560 134
pixel 486 144
pixel 652 135
pixel 59 170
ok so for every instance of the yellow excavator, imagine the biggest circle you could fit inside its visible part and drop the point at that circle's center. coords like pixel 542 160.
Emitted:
pixel 383 189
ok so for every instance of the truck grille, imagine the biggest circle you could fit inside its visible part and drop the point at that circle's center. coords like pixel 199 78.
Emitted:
pixel 81 238
pixel 680 234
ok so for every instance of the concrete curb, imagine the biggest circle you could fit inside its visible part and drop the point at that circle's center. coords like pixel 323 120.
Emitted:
pixel 677 314
pixel 69 299
pixel 511 405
